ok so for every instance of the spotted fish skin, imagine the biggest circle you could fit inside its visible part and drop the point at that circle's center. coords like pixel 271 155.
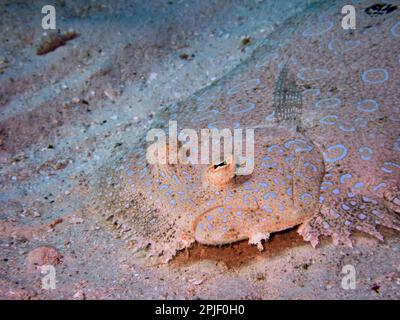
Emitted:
pixel 351 113
pixel 354 212
pixel 283 191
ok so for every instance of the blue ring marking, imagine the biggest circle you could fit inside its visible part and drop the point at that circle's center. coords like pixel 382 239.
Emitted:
pixel 270 117
pixel 222 124
pixel 143 172
pixel 339 157
pixel 363 150
pixel 323 73
pixel 395 30
pixel 345 207
pixel 275 146
pixel 306 195
pixel 263 184
pixel 239 213
pixel 396 145
pixel 336 191
pixel 313 167
pixel 375 105
pixel 289 191
pixel 290 142
pixel 314 92
pixel 300 174
pixel 164 186
pixel 210 202
pixel 210 227
pixel 325 120
pixel 326 225
pixel 380 186
pixel 270 194
pixel 300 149
pixel 366 72
pixel 173 202
pixel 232 109
pixel 358 185
pixel 267 208
pixel 355 43
pixel 362 216
pixel 176 179
pixel 332 103
pixel 221 210
pixel 392 164
pixel 269 165
pixel 321 199
pixel 361 122
pixel 377 213
pixel 290 160
pixel 308 148
pixel 348 129
pixel 346 176
pixel 209 218
pixel 336 215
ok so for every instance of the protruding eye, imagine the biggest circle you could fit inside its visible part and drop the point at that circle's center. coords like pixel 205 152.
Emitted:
pixel 222 164
pixel 221 174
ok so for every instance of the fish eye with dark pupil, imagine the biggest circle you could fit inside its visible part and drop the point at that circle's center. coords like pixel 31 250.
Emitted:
pixel 222 164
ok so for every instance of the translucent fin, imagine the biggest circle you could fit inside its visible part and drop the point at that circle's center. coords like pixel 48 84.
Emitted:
pixel 346 215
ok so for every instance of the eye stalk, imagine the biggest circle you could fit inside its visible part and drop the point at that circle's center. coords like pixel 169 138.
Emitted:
pixel 221 174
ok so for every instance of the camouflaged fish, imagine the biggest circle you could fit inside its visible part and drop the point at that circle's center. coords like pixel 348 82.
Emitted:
pixel 335 171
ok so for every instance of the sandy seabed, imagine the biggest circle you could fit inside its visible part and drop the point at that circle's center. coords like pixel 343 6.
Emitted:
pixel 68 113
